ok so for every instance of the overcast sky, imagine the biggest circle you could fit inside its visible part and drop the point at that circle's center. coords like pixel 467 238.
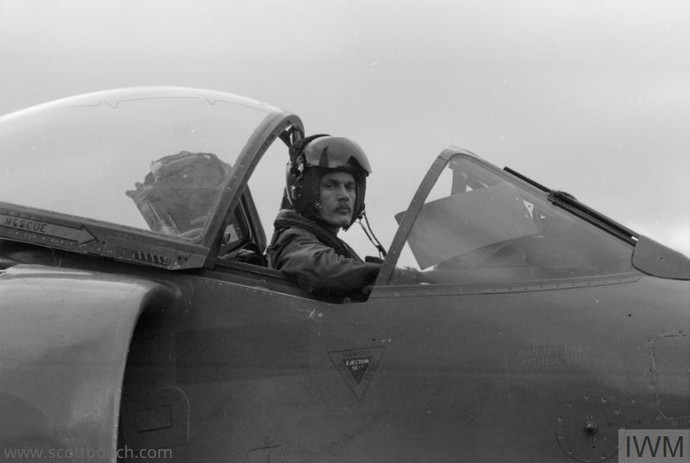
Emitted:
pixel 591 97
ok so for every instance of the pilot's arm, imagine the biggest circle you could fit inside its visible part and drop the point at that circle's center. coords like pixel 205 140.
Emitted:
pixel 319 269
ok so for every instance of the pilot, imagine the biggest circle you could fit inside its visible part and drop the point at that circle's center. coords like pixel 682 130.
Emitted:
pixel 326 183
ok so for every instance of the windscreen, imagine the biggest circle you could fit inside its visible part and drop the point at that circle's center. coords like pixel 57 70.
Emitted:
pixel 482 226
pixel 149 158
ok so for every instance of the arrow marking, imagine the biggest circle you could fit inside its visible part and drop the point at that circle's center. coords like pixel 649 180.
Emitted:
pixel 79 235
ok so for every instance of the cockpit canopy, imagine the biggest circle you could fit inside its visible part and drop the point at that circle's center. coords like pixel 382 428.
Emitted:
pixel 80 156
pixel 90 172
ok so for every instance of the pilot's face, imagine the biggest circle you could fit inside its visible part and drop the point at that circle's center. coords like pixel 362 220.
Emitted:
pixel 338 193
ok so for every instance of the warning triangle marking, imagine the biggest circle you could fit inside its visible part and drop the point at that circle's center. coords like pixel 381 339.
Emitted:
pixel 357 367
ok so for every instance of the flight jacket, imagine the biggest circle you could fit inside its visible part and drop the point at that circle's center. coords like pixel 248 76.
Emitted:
pixel 317 260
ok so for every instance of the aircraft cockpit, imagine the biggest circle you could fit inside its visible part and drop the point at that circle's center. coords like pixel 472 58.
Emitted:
pixel 177 178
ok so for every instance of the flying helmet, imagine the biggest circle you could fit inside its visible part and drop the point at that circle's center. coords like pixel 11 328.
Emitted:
pixel 314 156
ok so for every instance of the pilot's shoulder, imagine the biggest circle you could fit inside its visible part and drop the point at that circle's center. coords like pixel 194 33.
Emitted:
pixel 295 234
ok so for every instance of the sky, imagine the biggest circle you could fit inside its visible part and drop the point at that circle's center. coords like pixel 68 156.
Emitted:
pixel 589 97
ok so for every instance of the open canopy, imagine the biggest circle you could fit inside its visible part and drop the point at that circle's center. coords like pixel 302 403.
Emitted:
pixel 157 166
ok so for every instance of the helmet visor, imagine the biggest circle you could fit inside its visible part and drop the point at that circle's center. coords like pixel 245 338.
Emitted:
pixel 334 153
